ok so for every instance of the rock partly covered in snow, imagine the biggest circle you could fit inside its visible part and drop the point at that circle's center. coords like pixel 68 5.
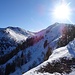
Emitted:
pixel 67 52
pixel 31 49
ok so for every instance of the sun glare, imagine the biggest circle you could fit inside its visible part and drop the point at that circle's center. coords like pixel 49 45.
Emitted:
pixel 62 12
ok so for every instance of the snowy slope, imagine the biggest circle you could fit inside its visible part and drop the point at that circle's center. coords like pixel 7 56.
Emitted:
pixel 39 49
pixel 34 50
pixel 15 33
pixel 37 53
pixel 67 51
pixel 10 37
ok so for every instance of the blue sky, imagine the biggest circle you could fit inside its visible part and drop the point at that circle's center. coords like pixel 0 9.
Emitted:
pixel 32 15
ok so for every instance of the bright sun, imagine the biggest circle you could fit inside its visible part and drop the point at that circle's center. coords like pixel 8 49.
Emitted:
pixel 62 12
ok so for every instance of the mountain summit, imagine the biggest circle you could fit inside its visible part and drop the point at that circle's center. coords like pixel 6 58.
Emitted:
pixel 10 37
pixel 23 50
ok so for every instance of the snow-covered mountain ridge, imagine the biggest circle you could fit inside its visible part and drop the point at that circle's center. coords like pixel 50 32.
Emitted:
pixel 61 62
pixel 10 37
pixel 34 49
pixel 15 32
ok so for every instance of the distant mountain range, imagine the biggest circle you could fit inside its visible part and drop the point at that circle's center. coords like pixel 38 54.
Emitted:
pixel 22 50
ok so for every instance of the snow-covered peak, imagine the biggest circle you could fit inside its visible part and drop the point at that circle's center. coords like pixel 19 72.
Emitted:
pixel 20 30
pixel 36 49
pixel 10 37
pixel 15 33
